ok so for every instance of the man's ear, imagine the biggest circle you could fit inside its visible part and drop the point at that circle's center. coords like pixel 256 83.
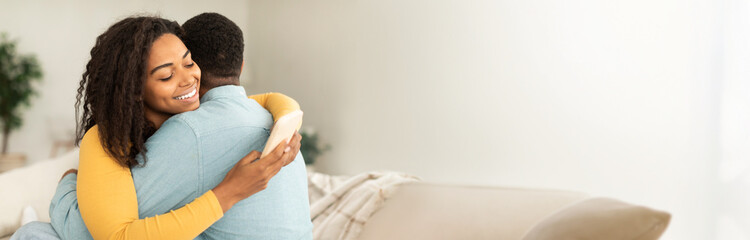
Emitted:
pixel 243 66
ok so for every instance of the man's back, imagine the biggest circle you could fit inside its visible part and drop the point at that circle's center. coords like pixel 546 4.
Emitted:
pixel 192 152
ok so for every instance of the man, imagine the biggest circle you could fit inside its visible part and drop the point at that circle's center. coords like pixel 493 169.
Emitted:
pixel 193 151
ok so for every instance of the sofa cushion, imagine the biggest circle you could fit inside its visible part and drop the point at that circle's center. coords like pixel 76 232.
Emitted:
pixel 434 211
pixel 33 186
pixel 602 219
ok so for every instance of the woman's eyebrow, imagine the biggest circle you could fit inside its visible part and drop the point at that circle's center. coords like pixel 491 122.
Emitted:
pixel 159 67
pixel 167 64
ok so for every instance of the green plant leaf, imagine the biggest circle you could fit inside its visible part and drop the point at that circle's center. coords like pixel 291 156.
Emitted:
pixel 17 73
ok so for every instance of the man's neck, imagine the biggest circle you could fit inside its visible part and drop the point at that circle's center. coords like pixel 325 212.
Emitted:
pixel 209 82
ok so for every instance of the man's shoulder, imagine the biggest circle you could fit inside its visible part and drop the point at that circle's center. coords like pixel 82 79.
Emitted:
pixel 222 113
pixel 173 132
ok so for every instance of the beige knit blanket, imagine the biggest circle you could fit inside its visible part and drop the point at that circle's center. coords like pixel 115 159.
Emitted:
pixel 341 205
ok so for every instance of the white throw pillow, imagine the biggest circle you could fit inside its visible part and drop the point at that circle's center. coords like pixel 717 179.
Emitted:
pixel 29 215
pixel 601 219
pixel 33 186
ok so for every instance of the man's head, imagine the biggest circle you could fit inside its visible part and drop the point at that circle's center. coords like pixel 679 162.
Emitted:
pixel 217 45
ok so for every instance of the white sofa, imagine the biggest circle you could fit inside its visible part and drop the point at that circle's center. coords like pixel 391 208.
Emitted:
pixel 33 186
pixel 416 211
pixel 438 211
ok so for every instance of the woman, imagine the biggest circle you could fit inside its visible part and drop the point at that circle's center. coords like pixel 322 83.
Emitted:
pixel 120 112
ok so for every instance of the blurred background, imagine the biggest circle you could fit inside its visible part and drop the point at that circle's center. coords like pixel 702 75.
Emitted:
pixel 644 101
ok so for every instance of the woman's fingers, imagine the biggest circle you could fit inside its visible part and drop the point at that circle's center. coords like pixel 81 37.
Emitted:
pixel 275 155
pixel 254 155
pixel 299 144
pixel 279 151
pixel 248 176
pixel 247 159
pixel 273 168
pixel 250 157
pixel 296 140
pixel 289 156
pixel 72 170
pixel 279 164
pixel 294 146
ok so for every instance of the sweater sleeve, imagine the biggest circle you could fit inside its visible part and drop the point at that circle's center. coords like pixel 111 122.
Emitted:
pixel 63 211
pixel 276 103
pixel 109 208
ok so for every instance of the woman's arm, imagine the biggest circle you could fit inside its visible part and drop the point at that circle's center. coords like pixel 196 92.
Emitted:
pixel 112 201
pixel 276 103
pixel 108 204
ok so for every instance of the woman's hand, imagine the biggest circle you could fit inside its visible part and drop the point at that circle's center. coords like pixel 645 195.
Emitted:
pixel 72 170
pixel 293 147
pixel 248 176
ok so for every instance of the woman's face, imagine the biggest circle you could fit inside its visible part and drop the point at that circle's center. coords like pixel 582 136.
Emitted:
pixel 172 80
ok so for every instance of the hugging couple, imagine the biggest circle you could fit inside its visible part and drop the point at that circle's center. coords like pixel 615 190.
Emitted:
pixel 155 165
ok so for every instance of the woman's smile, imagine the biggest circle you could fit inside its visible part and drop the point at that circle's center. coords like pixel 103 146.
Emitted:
pixel 190 96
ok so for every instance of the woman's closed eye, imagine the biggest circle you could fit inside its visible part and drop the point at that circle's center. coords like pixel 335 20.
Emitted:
pixel 167 78
pixel 190 65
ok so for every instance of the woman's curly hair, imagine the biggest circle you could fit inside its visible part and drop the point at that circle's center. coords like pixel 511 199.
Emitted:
pixel 110 93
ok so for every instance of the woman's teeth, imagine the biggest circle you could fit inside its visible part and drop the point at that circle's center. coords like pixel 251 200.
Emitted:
pixel 186 96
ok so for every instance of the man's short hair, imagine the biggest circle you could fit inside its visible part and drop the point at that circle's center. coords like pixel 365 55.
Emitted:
pixel 217 46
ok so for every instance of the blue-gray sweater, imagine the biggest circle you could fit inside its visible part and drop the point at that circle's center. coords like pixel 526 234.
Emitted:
pixel 189 155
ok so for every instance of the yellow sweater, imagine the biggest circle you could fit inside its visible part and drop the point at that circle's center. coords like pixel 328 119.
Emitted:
pixel 107 198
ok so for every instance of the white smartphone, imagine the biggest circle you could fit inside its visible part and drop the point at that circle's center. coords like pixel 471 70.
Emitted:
pixel 283 130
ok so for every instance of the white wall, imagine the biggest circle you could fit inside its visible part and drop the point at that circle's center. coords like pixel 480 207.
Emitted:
pixel 613 98
pixel 61 34
pixel 734 168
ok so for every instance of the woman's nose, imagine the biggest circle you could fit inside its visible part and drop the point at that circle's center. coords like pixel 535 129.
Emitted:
pixel 186 79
